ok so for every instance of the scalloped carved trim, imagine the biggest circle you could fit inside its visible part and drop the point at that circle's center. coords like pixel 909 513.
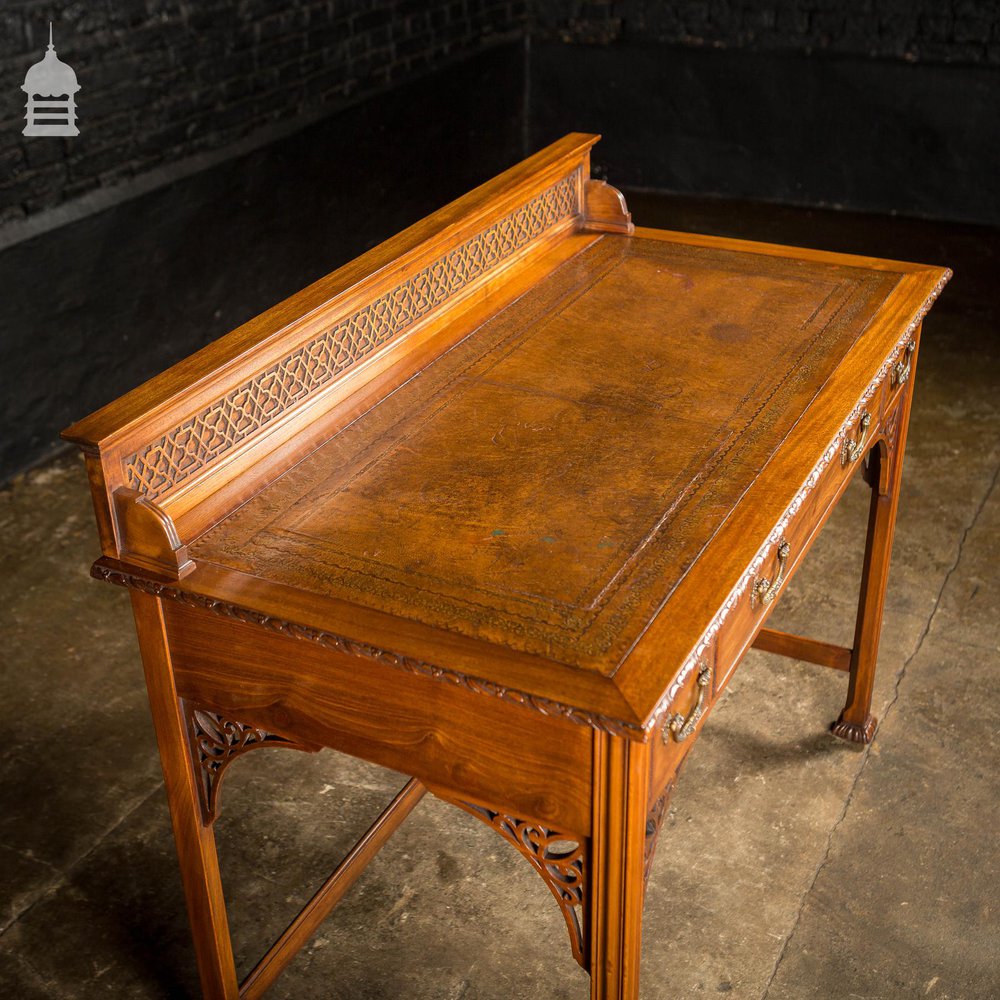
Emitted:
pixel 753 570
pixel 560 859
pixel 122 578
pixel 216 742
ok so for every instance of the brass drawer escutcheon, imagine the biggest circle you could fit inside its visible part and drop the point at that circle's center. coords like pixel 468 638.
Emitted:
pixel 681 728
pixel 764 590
pixel 901 369
pixel 853 450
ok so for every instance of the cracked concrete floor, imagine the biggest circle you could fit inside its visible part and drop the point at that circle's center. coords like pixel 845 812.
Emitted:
pixel 790 866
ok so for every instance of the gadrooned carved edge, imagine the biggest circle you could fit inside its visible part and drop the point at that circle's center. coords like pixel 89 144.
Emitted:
pixel 753 570
pixel 216 742
pixel 353 647
pixel 560 859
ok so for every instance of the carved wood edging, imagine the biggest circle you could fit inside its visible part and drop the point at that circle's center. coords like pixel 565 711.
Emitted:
pixel 777 533
pixel 216 742
pixel 353 647
pixel 559 858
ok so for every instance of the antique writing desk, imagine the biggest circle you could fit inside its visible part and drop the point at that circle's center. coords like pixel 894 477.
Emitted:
pixel 501 505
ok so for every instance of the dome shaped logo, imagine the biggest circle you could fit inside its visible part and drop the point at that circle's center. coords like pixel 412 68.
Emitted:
pixel 51 88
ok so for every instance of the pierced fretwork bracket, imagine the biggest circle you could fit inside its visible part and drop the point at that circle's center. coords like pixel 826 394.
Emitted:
pixel 216 742
pixel 654 821
pixel 560 859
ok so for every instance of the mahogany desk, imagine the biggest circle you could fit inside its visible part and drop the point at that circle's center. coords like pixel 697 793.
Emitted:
pixel 501 505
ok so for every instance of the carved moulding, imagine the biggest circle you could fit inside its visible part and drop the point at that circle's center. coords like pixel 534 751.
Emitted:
pixel 776 534
pixel 102 570
pixel 560 859
pixel 216 742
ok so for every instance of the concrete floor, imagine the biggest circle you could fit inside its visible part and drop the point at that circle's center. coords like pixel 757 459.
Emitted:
pixel 791 865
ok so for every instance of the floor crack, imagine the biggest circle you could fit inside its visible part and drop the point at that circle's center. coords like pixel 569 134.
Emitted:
pixel 900 675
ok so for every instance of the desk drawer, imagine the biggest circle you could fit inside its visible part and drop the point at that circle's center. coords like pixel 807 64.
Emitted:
pixel 792 538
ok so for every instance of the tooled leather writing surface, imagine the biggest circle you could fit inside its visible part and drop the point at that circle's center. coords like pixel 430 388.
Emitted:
pixel 546 483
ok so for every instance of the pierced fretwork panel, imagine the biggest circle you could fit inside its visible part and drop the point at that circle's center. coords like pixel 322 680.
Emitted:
pixel 247 409
pixel 654 821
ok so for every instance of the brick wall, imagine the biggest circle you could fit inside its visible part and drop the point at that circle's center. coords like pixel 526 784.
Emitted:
pixel 942 31
pixel 163 80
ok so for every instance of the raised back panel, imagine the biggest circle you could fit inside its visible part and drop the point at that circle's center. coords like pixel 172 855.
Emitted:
pixel 199 439
pixel 158 468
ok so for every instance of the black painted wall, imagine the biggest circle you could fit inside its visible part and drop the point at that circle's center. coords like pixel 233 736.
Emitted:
pixel 786 127
pixel 888 106
pixel 92 309
pixel 163 80
pixel 872 104
pixel 949 31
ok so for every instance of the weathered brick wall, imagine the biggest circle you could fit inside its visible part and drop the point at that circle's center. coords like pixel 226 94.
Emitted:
pixel 165 79
pixel 952 31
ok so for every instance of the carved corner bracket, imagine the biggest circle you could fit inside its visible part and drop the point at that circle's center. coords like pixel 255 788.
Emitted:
pixel 891 431
pixel 604 209
pixel 560 859
pixel 654 820
pixel 216 742
pixel 147 536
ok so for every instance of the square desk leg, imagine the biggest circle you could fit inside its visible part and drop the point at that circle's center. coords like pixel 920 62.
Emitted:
pixel 885 472
pixel 617 852
pixel 616 848
pixel 193 835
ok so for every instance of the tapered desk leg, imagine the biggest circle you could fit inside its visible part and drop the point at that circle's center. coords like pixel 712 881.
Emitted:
pixel 192 832
pixel 856 723
pixel 620 800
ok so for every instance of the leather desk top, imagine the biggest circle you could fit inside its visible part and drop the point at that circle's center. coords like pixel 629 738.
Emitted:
pixel 546 483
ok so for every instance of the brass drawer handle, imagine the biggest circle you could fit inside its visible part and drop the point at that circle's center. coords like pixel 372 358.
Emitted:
pixel 901 369
pixel 681 728
pixel 853 450
pixel 764 590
